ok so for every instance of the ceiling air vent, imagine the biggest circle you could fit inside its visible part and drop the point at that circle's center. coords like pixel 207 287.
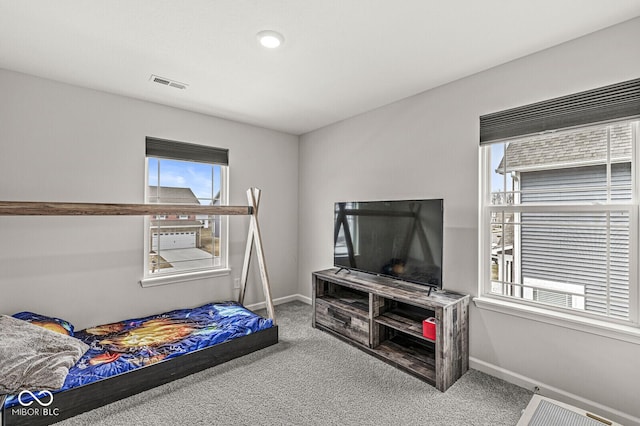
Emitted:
pixel 168 82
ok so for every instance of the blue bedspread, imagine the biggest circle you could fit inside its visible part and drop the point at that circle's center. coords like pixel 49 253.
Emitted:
pixel 126 345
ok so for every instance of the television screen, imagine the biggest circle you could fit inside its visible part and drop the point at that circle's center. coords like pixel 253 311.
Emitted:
pixel 400 239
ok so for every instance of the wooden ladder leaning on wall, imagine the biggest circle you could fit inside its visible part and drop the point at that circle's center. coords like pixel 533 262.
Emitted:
pixel 254 238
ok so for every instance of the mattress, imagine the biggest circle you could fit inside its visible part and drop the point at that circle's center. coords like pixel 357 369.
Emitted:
pixel 123 346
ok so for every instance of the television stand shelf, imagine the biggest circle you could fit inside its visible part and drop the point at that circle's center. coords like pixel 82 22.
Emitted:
pixel 383 317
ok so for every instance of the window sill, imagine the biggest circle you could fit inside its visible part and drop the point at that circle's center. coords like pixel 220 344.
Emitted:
pixel 622 332
pixel 187 276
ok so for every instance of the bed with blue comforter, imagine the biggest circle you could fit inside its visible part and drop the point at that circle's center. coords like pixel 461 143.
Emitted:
pixel 120 348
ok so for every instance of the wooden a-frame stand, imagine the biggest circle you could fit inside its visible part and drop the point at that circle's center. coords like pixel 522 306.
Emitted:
pixel 36 208
pixel 254 237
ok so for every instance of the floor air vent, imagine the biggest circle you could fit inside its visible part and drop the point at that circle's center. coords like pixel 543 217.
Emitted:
pixel 168 82
pixel 543 411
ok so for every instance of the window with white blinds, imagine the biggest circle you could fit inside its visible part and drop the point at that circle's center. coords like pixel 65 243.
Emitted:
pixel 560 214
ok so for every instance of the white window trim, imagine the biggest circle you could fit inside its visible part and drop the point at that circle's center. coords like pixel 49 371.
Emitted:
pixel 181 277
pixel 627 332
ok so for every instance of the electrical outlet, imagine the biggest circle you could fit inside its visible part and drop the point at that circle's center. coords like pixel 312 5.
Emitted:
pixel 236 283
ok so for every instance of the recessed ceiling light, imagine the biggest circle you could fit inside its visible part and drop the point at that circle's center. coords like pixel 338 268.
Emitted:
pixel 270 39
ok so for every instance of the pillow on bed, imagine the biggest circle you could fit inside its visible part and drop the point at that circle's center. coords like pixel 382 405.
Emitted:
pixel 34 358
pixel 50 323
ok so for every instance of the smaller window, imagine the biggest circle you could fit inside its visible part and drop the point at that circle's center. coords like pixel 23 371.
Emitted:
pixel 179 173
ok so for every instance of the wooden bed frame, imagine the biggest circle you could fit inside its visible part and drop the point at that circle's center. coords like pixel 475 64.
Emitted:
pixel 78 400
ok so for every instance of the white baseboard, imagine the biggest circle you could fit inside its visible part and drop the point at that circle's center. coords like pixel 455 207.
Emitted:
pixel 553 392
pixel 281 300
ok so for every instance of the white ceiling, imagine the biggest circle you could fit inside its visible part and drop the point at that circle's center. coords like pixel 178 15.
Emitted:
pixel 340 57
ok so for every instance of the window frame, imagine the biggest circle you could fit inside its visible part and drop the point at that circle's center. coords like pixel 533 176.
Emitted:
pixel 149 280
pixel 627 330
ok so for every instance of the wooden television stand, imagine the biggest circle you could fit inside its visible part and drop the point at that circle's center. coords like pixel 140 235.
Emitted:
pixel 383 317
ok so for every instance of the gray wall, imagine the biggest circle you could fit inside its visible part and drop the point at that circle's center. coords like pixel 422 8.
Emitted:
pixel 65 143
pixel 426 146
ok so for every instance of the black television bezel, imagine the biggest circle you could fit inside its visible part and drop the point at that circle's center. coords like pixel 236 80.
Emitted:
pixel 380 274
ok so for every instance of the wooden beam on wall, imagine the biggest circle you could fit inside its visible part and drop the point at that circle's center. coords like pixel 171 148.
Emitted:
pixel 36 208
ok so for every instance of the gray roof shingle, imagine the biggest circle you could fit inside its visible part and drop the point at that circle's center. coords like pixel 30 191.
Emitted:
pixel 568 149
pixel 170 195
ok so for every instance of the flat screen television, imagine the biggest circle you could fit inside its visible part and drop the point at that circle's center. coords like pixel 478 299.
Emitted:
pixel 402 239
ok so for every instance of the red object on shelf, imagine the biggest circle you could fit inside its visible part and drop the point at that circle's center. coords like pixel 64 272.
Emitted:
pixel 429 328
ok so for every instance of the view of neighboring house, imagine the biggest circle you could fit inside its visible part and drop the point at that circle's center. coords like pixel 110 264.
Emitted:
pixel 171 231
pixel 524 244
